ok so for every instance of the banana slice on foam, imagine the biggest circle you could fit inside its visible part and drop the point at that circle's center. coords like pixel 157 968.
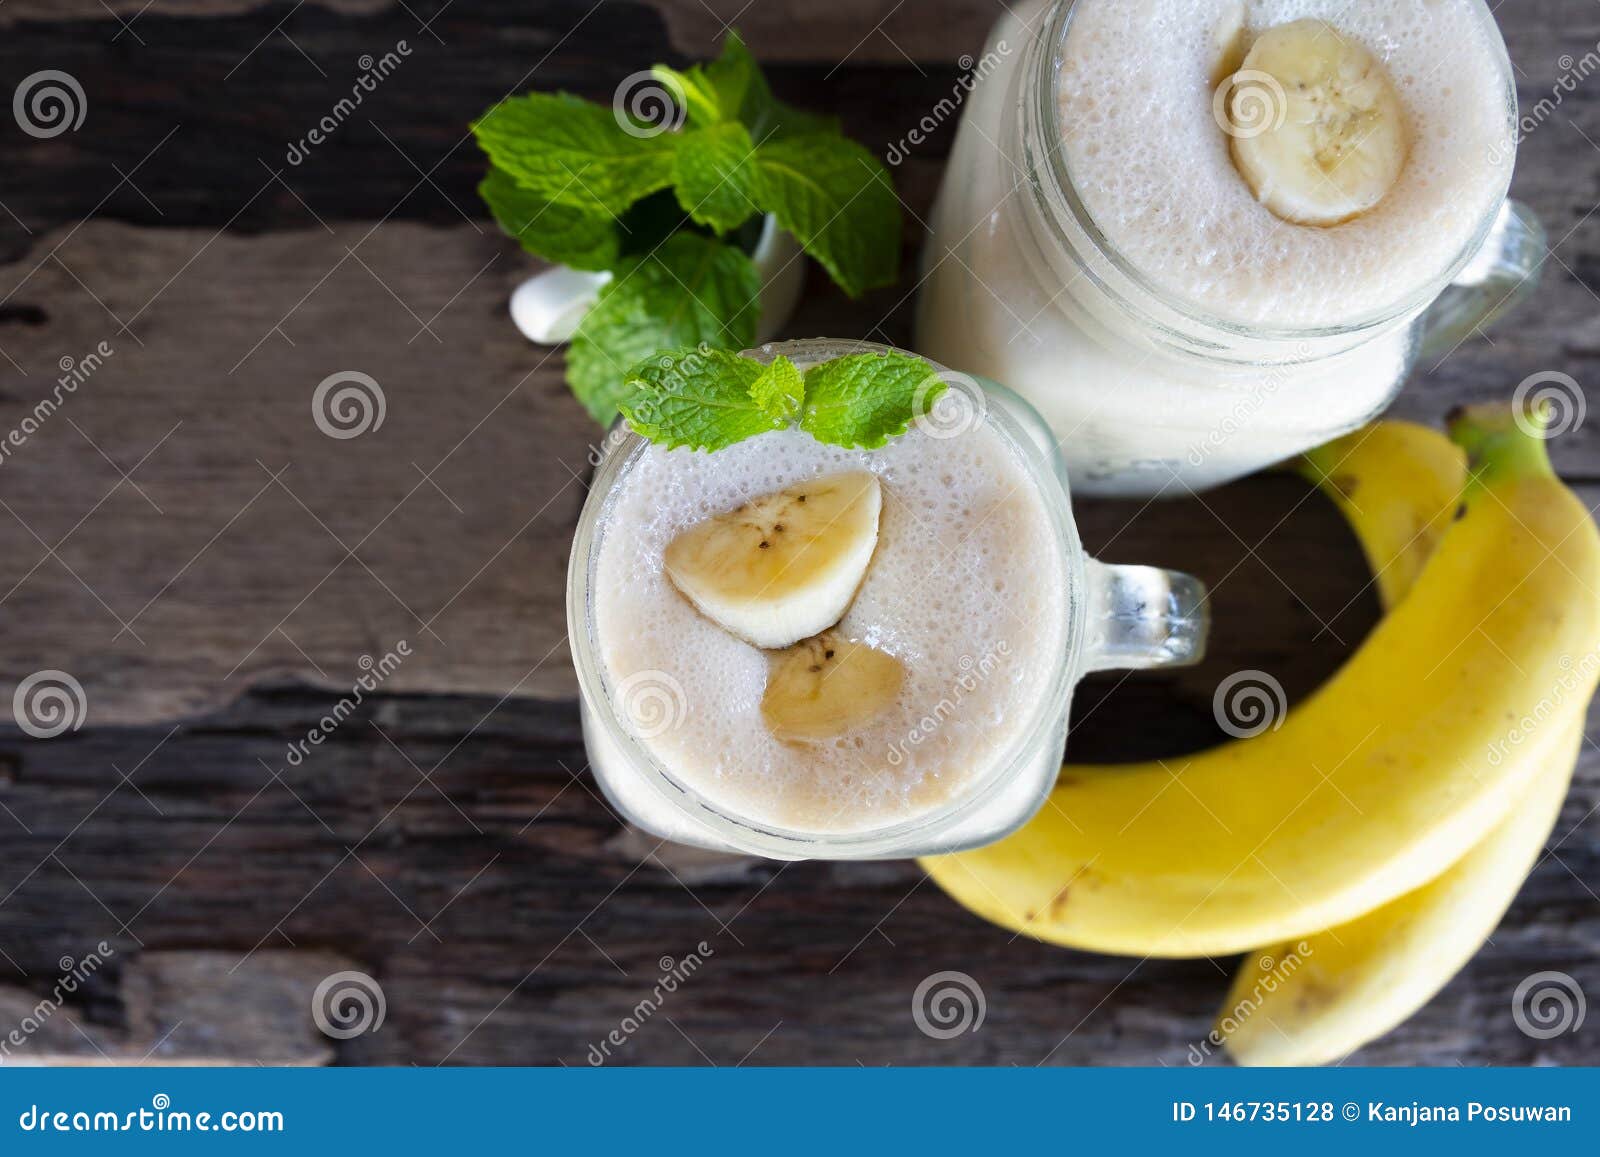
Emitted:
pixel 1331 139
pixel 828 686
pixel 782 567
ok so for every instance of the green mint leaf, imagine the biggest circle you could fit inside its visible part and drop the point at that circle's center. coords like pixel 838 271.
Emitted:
pixel 690 290
pixel 837 200
pixel 699 398
pixel 714 176
pixel 779 390
pixel 728 88
pixel 863 400
pixel 573 152
pixel 581 238
pixel 702 105
pixel 744 94
pixel 732 87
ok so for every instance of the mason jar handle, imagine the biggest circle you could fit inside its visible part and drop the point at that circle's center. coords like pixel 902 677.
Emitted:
pixel 1142 616
pixel 1503 273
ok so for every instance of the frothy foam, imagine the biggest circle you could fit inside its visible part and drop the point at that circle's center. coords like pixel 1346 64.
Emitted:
pixel 967 588
pixel 1152 166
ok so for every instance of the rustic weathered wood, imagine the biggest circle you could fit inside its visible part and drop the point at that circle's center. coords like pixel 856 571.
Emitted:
pixel 501 878
pixel 453 844
pixel 245 542
pixel 176 1008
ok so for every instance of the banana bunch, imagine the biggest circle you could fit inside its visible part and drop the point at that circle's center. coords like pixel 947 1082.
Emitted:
pixel 1376 836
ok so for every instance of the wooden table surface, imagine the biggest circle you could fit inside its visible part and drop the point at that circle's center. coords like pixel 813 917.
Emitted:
pixel 212 570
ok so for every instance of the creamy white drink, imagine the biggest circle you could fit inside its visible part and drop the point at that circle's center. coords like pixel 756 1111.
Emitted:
pixel 965 593
pixel 1103 246
pixel 848 623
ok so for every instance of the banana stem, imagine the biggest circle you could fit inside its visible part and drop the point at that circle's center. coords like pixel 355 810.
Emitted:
pixel 1500 442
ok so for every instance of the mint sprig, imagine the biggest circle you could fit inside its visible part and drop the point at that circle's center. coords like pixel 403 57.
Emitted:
pixel 581 238
pixel 688 291
pixel 568 175
pixel 838 202
pixel 569 151
pixel 709 399
pixel 732 87
pixel 715 176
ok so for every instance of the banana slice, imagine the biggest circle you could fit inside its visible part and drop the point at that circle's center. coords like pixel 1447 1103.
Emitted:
pixel 1318 131
pixel 1229 42
pixel 828 686
pixel 784 566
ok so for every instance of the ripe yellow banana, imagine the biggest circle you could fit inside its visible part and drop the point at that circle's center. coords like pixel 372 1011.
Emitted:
pixel 1320 999
pixel 1389 774
pixel 1398 485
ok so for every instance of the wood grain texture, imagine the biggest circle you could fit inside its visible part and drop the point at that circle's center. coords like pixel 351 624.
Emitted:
pixel 175 1008
pixel 245 542
pixel 448 840
pixel 459 854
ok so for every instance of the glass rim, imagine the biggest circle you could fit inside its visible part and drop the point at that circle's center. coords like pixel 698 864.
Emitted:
pixel 1047 715
pixel 1055 187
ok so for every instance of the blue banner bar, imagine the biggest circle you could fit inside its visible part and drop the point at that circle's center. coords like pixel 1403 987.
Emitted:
pixel 826 1111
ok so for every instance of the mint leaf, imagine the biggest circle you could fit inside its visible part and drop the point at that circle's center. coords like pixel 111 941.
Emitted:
pixel 732 87
pixel 863 400
pixel 779 390
pixel 708 398
pixel 736 71
pixel 573 152
pixel 700 398
pixel 838 202
pixel 690 290
pixel 714 177
pixel 702 105
pixel 581 238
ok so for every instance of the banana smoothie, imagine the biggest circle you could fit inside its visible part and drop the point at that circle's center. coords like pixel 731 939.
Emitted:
pixel 1201 235
pixel 827 640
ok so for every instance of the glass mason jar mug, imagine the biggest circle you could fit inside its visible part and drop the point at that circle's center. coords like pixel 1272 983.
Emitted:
pixel 1110 617
pixel 1150 391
